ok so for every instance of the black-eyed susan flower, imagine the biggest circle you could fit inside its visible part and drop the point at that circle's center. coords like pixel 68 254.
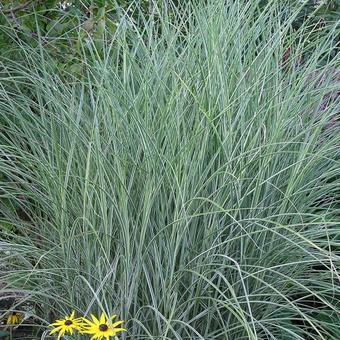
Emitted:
pixel 102 328
pixel 13 319
pixel 66 325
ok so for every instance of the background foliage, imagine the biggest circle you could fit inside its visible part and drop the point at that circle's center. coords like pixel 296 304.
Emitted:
pixel 65 27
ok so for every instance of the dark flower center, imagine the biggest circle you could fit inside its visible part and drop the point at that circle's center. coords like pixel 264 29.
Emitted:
pixel 103 327
pixel 68 323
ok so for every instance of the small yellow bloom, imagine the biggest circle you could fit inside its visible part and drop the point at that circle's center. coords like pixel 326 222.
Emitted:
pixel 13 319
pixel 66 325
pixel 102 328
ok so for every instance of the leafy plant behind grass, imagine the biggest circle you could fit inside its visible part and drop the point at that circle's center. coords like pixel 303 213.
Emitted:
pixel 188 182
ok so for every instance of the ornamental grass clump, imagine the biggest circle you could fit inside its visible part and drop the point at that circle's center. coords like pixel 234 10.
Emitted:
pixel 187 179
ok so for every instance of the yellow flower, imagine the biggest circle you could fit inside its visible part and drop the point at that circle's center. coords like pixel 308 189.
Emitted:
pixel 102 328
pixel 13 319
pixel 66 325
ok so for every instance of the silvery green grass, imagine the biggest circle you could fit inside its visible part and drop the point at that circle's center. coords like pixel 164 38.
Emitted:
pixel 187 181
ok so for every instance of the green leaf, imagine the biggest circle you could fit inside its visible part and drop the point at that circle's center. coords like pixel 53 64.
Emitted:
pixel 6 225
pixel 10 204
pixel 57 27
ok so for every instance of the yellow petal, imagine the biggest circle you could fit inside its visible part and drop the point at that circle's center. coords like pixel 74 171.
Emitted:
pixel 88 322
pixel 78 324
pixel 55 330
pixel 61 334
pixel 94 319
pixel 109 332
pixel 117 323
pixel 120 330
pixel 102 318
pixel 113 316
pixel 90 330
pixel 72 314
